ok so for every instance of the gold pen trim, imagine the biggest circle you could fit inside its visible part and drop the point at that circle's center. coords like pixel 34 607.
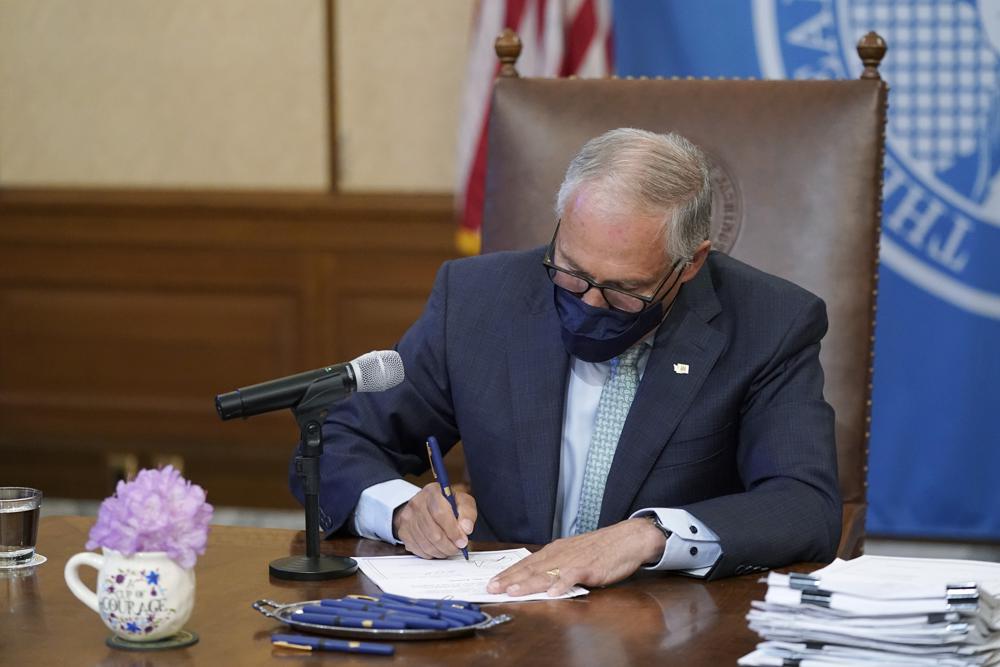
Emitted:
pixel 298 647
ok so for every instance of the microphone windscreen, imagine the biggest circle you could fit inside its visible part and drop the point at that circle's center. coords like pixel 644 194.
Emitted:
pixel 378 371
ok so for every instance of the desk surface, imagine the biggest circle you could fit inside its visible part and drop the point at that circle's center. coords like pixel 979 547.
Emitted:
pixel 649 619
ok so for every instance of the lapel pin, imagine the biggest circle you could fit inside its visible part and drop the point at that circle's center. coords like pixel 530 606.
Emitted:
pixel 681 369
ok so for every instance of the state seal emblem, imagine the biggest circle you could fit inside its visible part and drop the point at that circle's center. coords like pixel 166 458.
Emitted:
pixel 941 224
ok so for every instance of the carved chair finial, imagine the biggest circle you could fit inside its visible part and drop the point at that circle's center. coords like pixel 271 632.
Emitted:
pixel 508 48
pixel 871 49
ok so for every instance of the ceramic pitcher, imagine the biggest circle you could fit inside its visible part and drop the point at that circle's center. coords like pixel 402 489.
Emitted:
pixel 143 597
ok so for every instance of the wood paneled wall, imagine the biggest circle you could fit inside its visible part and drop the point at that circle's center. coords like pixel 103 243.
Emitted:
pixel 122 314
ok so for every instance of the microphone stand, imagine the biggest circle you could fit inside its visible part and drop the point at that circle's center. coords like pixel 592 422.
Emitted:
pixel 310 413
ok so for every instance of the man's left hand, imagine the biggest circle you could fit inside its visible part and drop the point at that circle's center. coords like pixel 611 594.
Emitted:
pixel 598 558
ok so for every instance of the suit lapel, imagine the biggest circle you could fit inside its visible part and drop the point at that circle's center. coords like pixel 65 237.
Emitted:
pixel 539 368
pixel 664 393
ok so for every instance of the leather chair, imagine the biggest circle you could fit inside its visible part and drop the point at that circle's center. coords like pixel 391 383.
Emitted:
pixel 797 172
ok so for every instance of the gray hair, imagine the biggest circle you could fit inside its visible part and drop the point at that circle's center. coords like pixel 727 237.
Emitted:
pixel 652 173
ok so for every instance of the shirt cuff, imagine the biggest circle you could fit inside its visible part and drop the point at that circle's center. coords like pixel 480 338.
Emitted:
pixel 373 513
pixel 692 547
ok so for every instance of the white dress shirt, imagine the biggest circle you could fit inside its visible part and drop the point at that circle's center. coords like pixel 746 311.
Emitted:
pixel 692 546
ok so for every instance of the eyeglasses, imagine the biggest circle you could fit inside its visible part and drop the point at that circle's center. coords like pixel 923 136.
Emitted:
pixel 578 284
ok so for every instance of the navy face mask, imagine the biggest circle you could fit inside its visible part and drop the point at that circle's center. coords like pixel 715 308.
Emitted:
pixel 599 334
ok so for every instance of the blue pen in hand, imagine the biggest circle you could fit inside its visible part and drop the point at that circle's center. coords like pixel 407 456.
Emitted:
pixel 441 475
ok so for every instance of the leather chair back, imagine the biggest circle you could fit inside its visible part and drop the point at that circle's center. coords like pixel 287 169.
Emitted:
pixel 797 168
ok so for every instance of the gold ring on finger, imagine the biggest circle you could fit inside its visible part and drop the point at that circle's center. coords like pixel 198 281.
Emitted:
pixel 554 572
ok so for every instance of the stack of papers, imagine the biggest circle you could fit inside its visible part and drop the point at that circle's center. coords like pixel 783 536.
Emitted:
pixel 877 610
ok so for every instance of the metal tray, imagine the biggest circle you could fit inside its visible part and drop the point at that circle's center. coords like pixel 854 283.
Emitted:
pixel 283 614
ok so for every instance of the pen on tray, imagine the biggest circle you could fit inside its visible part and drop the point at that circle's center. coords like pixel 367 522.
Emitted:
pixel 426 602
pixel 348 621
pixel 396 613
pixel 335 608
pixel 444 610
pixel 305 643
pixel 441 475
pixel 463 616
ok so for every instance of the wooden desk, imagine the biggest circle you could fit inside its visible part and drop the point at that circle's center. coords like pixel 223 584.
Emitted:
pixel 649 619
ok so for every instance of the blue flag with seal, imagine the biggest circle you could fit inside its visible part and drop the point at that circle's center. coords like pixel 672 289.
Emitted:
pixel 935 439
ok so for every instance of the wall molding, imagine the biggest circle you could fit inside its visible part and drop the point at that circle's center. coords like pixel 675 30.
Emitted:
pixel 404 221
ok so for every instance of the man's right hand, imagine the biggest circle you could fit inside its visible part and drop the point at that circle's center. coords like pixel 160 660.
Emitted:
pixel 427 526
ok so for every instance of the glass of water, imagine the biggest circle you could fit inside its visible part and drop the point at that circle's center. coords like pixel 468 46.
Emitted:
pixel 19 509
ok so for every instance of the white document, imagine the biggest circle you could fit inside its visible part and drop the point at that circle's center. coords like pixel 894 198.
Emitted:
pixel 877 589
pixel 892 571
pixel 451 577
pixel 852 604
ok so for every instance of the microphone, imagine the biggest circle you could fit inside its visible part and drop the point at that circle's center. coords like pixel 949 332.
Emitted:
pixel 374 371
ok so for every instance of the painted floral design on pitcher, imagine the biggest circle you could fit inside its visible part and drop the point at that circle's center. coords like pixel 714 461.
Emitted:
pixel 143 597
pixel 135 602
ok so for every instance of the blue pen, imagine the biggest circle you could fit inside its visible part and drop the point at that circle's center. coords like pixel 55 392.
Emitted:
pixel 441 475
pixel 411 621
pixel 347 621
pixel 464 616
pixel 467 616
pixel 360 605
pixel 428 602
pixel 304 643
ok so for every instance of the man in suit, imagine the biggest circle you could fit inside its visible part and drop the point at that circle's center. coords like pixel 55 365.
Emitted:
pixel 625 396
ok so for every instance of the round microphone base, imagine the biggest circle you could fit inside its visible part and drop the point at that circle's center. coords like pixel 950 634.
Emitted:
pixel 315 568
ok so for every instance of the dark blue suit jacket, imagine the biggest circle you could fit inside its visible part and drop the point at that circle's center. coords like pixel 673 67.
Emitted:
pixel 744 441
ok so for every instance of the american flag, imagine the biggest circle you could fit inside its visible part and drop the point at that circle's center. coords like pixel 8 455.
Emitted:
pixel 559 38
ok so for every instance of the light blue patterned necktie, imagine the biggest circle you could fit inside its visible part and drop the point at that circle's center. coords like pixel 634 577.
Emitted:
pixel 612 409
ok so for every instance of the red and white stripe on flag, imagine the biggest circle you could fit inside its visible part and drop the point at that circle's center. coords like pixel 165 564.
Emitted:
pixel 559 38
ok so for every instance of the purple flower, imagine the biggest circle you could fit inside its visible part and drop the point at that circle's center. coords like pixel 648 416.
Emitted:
pixel 158 511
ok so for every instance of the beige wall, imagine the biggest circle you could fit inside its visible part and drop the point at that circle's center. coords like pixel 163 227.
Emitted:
pixel 205 93
pixel 400 67
pixel 229 93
